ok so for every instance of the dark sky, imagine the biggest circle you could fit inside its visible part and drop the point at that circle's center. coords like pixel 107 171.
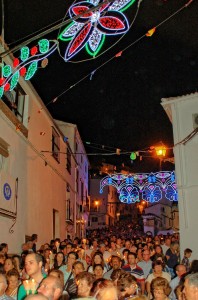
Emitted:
pixel 120 105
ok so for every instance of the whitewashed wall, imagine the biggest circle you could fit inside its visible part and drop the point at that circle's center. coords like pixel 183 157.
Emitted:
pixel 180 111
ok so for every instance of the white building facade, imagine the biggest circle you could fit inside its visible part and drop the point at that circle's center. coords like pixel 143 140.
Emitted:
pixel 38 171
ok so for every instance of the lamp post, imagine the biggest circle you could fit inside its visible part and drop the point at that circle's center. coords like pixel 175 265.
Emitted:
pixel 97 204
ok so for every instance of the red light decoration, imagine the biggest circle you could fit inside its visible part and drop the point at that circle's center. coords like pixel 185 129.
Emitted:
pixel 22 71
pixel 15 62
pixel 34 50
pixel 2 80
pixel 7 87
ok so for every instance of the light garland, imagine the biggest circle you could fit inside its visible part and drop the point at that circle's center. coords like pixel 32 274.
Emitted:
pixel 151 187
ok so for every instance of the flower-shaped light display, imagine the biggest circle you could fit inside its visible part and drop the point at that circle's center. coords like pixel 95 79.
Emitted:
pixel 92 21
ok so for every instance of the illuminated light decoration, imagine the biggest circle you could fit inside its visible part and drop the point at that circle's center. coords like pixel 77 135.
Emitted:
pixel 43 46
pixel 2 80
pixel 25 52
pixel 26 67
pixel 44 63
pixel 16 62
pixel 151 32
pixel 14 80
pixel 6 87
pixel 1 91
pixel 22 71
pixel 89 30
pixel 133 156
pixel 34 50
pixel 31 70
pixel 151 187
pixel 7 70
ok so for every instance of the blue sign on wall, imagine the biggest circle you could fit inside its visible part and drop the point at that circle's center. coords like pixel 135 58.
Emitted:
pixel 7 192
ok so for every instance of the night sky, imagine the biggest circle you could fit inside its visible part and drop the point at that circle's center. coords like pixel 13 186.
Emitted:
pixel 119 106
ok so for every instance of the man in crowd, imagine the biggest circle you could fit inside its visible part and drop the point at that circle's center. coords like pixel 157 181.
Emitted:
pixel 135 270
pixel 191 287
pixel 115 264
pixel 51 287
pixel 146 263
pixel 180 271
pixel 33 267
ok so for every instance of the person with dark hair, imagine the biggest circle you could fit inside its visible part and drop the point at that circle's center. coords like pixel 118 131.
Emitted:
pixel 157 267
pixel 97 259
pixel 194 266
pixel 185 261
pixel 33 268
pixel 115 263
pixel 135 270
pixel 98 271
pixel 9 264
pixel 70 286
pixel 67 269
pixel 34 239
pixel 172 257
pixel 59 260
pixel 160 288
pixel 4 249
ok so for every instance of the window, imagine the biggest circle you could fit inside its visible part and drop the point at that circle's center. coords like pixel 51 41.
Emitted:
pixel 77 177
pixel 15 100
pixel 68 160
pixel 55 144
pixel 94 219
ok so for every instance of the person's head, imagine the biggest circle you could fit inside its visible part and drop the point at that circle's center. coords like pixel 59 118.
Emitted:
pixel 146 255
pixel 13 279
pixel 191 287
pixel 2 258
pixel 180 270
pixel 18 261
pixel 57 273
pixel 158 249
pixel 160 288
pixel 36 297
pixel 194 266
pixel 168 242
pixel 59 259
pixel 132 258
pixel 97 258
pixel 30 245
pixel 84 282
pixel 116 274
pixel 157 266
pixel 77 268
pixel 3 284
pixel 9 264
pixel 127 244
pixel 34 238
pixel 69 248
pixel 98 270
pixel 4 248
pixel 33 264
pixel 115 262
pixel 51 287
pixel 125 253
pixel 174 246
pixel 105 290
pixel 102 248
pixel 187 252
pixel 179 291
pixel 72 257
pixel 127 285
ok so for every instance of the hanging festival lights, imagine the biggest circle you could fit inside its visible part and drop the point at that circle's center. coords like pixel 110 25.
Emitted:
pixel 151 187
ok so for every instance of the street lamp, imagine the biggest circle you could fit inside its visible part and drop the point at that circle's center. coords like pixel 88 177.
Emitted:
pixel 97 204
pixel 160 152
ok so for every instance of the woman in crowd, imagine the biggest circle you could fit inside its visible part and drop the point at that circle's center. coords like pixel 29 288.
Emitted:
pixel 97 259
pixel 13 283
pixel 105 290
pixel 98 271
pixel 84 282
pixel 9 265
pixel 67 269
pixel 18 263
pixel 81 257
pixel 59 260
pixel 157 267
pixel 160 289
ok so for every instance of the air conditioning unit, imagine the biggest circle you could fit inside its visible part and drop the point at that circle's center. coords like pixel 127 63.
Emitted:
pixel 195 120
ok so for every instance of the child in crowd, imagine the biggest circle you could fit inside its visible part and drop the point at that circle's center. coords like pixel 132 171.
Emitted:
pixel 185 261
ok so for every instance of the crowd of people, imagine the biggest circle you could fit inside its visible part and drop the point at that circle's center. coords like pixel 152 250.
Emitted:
pixel 106 265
